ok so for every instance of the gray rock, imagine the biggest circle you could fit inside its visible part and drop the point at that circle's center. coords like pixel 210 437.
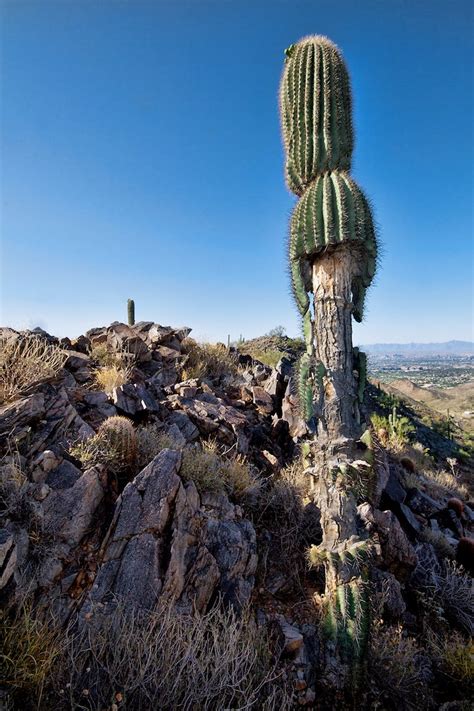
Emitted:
pixel 68 513
pixel 64 476
pixel 189 430
pixel 409 521
pixel 263 400
pixel 132 399
pixel 165 543
pixel 125 340
pixel 77 361
pixel 293 639
pixel 16 418
pixel 393 490
pixel 421 503
pixel 398 554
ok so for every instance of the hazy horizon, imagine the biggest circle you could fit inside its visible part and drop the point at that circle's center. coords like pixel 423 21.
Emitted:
pixel 142 159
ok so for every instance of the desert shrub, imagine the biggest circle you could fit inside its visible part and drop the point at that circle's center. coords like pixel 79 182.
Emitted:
pixel 439 543
pixel 109 377
pixel 207 360
pixel 29 649
pixel 439 482
pixel 379 422
pixel 281 511
pixel 454 656
pixel 25 362
pixel 217 474
pixel 168 661
pixel 398 670
pixel 447 586
pixel 268 357
pixel 150 441
pixel 13 479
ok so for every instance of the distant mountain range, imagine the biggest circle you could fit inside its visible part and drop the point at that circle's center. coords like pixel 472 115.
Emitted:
pixel 448 348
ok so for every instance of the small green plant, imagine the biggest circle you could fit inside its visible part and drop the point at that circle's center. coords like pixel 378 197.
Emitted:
pixel 400 427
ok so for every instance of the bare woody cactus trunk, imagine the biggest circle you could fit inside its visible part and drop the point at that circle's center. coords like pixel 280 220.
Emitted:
pixel 332 252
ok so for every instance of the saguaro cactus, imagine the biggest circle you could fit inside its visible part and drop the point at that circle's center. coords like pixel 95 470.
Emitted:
pixel 332 244
pixel 131 312
pixel 332 254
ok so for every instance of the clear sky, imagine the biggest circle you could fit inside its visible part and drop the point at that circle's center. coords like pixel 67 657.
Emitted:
pixel 141 157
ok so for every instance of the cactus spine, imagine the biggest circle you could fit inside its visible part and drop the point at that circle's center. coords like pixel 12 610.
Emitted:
pixel 131 312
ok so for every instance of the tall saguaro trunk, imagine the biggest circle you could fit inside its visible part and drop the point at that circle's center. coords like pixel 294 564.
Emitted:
pixel 332 252
pixel 333 274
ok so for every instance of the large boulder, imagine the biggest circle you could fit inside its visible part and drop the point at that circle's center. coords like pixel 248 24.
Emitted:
pixel 166 541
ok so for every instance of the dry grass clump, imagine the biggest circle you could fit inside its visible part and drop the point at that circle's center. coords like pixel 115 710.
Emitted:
pixel 208 360
pixel 398 670
pixel 150 441
pixel 217 474
pixel 13 480
pixel 437 483
pixel 455 658
pixel 29 649
pixel 113 376
pixel 25 362
pixel 447 586
pixel 439 543
pixel 285 510
pixel 270 358
pixel 168 661
pixel 433 481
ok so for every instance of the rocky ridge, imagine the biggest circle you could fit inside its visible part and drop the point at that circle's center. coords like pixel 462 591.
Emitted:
pixel 77 541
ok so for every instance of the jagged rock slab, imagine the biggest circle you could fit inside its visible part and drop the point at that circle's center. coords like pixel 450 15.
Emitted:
pixel 165 542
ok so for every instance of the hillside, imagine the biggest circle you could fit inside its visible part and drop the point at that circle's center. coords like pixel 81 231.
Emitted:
pixel 154 494
pixel 459 400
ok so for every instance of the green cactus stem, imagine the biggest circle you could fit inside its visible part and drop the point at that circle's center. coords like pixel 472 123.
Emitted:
pixel 131 312
pixel 315 107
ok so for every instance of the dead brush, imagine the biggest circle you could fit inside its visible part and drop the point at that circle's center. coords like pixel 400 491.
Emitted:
pixel 109 377
pixel 27 361
pixel 454 656
pixel 166 660
pixel 398 669
pixel 207 360
pixel 13 479
pixel 284 509
pixel 214 473
pixel 29 649
pixel 150 441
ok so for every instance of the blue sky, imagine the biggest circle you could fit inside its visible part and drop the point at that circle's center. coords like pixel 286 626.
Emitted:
pixel 141 157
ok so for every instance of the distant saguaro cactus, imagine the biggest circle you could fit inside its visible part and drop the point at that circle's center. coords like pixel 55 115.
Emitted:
pixel 333 255
pixel 131 312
